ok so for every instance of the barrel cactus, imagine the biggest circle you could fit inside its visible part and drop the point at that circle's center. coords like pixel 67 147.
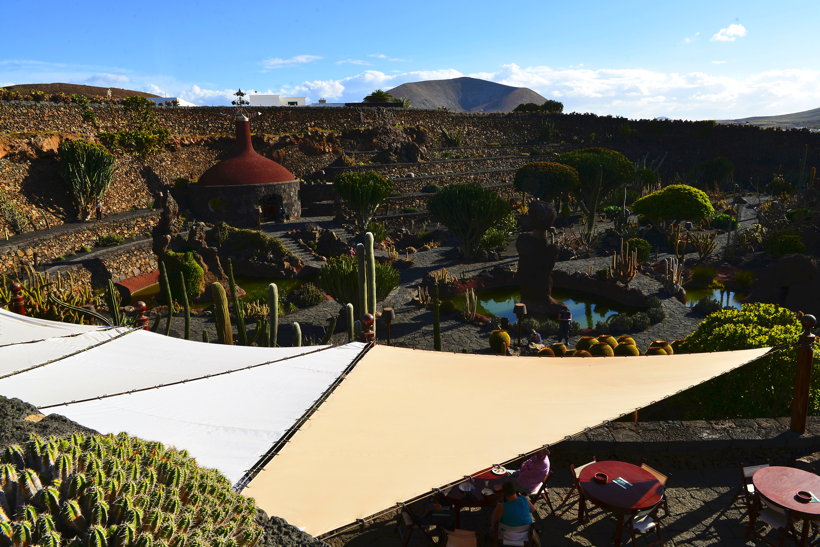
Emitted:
pixel 626 339
pixel 569 353
pixel 625 349
pixel 500 341
pixel 585 342
pixel 601 349
pixel 546 352
pixel 608 339
pixel 656 350
pixel 559 350
pixel 117 491
pixel 667 347
pixel 582 353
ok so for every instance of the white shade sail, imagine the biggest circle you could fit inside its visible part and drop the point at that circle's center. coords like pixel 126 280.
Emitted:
pixel 17 329
pixel 406 421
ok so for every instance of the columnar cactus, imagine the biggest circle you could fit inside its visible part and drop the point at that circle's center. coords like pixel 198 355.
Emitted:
pixel 436 319
pixel 361 270
pixel 222 314
pixel 238 308
pixel 186 306
pixel 113 301
pixel 370 275
pixel 273 310
pixel 116 491
pixel 169 296
pixel 350 320
pixel 297 335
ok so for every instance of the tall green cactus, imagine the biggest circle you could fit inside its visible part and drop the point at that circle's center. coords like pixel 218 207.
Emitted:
pixel 222 314
pixel 273 310
pixel 186 306
pixel 330 328
pixel 362 271
pixel 169 296
pixel 436 318
pixel 297 335
pixel 350 320
pixel 205 337
pixel 238 308
pixel 370 274
pixel 113 301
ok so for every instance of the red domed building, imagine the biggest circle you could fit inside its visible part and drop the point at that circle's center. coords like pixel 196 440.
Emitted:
pixel 234 189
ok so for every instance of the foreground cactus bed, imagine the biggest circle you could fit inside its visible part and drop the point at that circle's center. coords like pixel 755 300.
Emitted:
pixel 117 491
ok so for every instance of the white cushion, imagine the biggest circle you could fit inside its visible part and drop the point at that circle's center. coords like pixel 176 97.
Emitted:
pixel 644 525
pixel 773 518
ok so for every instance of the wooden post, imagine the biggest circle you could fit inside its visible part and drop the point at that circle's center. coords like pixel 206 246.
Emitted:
pixel 805 353
pixel 142 319
pixel 17 304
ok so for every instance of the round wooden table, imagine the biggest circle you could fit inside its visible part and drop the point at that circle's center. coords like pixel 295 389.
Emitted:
pixel 779 485
pixel 476 497
pixel 645 490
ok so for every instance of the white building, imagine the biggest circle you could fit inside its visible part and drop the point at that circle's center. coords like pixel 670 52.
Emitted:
pixel 170 101
pixel 259 99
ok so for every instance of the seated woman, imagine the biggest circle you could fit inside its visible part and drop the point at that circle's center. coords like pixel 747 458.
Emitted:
pixel 513 514
pixel 531 475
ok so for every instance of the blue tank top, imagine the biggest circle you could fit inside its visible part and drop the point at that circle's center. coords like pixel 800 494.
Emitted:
pixel 516 512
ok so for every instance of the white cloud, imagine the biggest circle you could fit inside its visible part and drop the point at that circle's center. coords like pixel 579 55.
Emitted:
pixel 384 57
pixel 718 62
pixel 276 62
pixel 729 34
pixel 690 39
pixel 352 62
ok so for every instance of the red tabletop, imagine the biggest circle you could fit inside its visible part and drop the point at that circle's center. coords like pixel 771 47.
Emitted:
pixel 646 491
pixel 779 485
pixel 481 481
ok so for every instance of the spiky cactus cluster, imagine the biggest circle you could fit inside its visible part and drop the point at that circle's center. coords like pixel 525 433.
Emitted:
pixel 116 491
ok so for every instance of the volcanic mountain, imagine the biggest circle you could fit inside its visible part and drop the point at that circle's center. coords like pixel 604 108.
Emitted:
pixel 87 90
pixel 465 95
pixel 807 118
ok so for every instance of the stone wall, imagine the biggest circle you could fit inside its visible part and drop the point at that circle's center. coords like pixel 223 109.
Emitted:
pixel 308 140
pixel 64 240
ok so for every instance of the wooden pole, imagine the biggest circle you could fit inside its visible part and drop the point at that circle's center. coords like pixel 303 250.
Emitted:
pixel 805 353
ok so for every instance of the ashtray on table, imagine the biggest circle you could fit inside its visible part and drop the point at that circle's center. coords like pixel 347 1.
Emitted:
pixel 803 497
pixel 600 478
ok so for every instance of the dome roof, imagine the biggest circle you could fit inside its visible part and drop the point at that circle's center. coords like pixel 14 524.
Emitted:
pixel 245 166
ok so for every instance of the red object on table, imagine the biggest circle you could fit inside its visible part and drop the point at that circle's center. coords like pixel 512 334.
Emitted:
pixel 646 491
pixel 780 485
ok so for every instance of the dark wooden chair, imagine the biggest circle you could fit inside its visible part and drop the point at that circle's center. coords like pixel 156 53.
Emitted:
pixel 409 524
pixel 645 522
pixel 575 490
pixel 746 490
pixel 767 518
pixel 543 492
pixel 663 479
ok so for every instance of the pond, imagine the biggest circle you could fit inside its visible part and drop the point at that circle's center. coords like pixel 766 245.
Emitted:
pixel 727 299
pixel 586 309
pixel 255 288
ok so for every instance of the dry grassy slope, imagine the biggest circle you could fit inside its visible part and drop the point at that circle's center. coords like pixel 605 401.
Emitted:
pixel 466 95
pixel 807 118
pixel 88 90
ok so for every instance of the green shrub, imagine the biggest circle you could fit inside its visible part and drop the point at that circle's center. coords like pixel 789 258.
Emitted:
pixel 546 180
pixel 723 222
pixel 782 243
pixel 339 278
pixel 703 276
pixel 641 245
pixel 109 240
pixel 249 244
pixel 362 192
pixel 306 296
pixel 706 305
pixel 191 270
pixel 431 188
pixel 656 315
pixel 118 490
pixel 379 231
pixel 468 211
pixel 88 169
pixel 12 215
pixel 757 390
pixel 621 322
pixel 447 306
pixel 640 321
pixel 674 203
pixel 144 136
pixel 549 327
pixel 410 210
pixel 493 239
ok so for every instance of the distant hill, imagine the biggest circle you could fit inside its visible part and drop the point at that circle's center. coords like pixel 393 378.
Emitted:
pixel 88 90
pixel 808 118
pixel 465 95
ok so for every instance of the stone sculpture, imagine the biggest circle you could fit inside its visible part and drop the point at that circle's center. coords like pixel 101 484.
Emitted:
pixel 536 259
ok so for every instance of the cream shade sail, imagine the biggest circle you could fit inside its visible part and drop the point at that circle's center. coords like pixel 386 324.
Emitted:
pixel 16 329
pixel 406 421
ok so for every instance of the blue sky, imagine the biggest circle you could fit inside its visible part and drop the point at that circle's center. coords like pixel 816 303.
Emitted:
pixel 686 59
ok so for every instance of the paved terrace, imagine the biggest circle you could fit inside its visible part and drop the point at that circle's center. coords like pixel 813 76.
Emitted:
pixel 701 457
